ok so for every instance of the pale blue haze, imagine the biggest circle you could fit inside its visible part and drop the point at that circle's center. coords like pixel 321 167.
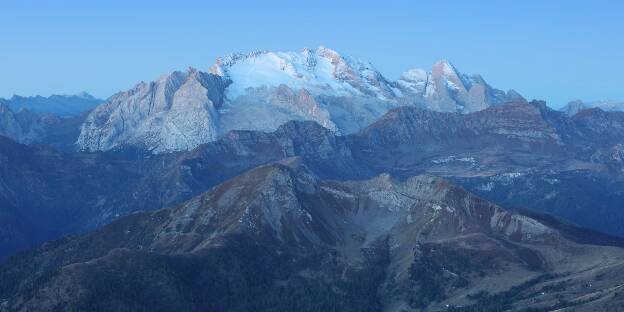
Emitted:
pixel 552 50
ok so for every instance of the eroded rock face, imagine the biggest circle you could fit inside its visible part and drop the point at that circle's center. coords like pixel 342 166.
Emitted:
pixel 176 112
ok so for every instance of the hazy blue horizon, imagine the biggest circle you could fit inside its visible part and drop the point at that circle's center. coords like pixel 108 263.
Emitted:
pixel 556 51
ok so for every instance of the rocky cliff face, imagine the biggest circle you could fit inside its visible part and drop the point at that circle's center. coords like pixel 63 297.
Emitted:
pixel 277 237
pixel 176 112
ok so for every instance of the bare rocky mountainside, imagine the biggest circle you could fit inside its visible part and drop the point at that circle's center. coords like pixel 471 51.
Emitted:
pixel 520 155
pixel 279 238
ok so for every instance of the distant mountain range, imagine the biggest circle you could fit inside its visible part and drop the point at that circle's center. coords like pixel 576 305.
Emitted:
pixel 262 90
pixel 520 155
pixel 60 105
pixel 248 91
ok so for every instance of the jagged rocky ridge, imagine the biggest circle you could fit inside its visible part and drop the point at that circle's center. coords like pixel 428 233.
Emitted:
pixel 262 90
pixel 279 238
pixel 521 155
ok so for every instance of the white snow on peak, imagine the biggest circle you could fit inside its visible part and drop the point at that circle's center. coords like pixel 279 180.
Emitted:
pixel 414 74
pixel 413 81
pixel 321 71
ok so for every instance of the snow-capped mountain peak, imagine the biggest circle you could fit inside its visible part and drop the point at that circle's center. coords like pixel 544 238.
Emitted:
pixel 444 72
pixel 443 76
pixel 320 71
pixel 262 90
pixel 445 88
pixel 414 74
pixel 413 80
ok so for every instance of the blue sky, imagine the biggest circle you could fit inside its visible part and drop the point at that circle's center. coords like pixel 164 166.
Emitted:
pixel 552 50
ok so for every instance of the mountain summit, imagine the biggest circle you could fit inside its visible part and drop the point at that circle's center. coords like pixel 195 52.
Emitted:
pixel 176 112
pixel 446 89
